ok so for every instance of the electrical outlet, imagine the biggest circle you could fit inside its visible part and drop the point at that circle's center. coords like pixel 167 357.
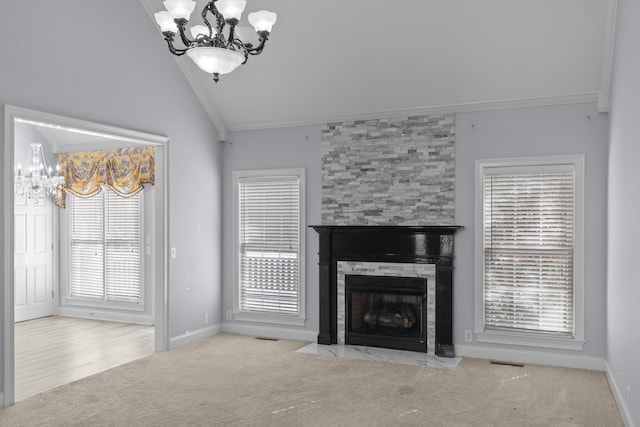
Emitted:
pixel 468 335
pixel 205 316
pixel 229 315
pixel 174 253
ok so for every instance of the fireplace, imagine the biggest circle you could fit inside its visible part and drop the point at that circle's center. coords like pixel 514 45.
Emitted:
pixel 414 246
pixel 386 311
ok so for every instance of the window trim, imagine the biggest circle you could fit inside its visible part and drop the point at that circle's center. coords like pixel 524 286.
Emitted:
pixel 107 304
pixel 576 342
pixel 298 320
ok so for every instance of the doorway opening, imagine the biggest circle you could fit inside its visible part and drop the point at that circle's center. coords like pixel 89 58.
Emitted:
pixel 64 134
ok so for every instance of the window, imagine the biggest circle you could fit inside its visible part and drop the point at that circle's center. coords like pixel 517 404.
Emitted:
pixel 529 255
pixel 105 246
pixel 269 246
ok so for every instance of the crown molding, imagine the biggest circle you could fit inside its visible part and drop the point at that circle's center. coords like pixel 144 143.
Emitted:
pixel 469 107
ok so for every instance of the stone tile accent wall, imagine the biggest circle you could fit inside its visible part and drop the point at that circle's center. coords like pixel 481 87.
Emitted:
pixel 389 171
pixel 427 271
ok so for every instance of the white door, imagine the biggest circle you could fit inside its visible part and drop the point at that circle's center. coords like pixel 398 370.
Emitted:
pixel 33 258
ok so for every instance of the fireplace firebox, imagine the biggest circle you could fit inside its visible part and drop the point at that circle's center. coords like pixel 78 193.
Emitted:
pixel 386 311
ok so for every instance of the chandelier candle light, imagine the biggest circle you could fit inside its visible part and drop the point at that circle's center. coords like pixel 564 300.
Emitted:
pixel 38 181
pixel 212 50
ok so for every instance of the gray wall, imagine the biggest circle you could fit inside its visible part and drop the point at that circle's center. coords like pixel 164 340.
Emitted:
pixel 296 147
pixel 568 129
pixel 116 70
pixel 623 315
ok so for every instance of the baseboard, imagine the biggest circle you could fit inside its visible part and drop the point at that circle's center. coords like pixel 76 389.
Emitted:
pixel 617 394
pixel 535 357
pixel 193 336
pixel 270 332
pixel 110 316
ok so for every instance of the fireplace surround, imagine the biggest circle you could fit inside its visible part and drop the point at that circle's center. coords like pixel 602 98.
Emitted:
pixel 387 244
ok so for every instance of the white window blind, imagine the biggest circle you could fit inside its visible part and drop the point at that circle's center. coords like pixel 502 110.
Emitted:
pixel 270 251
pixel 105 237
pixel 528 226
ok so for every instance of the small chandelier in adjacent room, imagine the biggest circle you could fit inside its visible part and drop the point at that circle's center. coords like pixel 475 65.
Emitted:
pixel 37 182
pixel 216 46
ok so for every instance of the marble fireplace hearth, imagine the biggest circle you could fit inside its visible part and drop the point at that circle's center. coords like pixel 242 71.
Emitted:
pixel 376 354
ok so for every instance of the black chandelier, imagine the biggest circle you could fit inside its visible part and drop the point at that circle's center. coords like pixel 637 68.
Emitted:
pixel 212 50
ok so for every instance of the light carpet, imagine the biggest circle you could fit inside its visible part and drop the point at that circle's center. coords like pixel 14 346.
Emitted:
pixel 234 380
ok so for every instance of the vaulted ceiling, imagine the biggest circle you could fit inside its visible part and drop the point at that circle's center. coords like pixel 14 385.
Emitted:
pixel 354 59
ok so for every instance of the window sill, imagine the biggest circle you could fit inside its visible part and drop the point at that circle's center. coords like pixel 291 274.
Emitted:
pixel 269 318
pixel 514 338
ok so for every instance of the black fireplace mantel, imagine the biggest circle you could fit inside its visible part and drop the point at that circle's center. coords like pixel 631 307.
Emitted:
pixel 409 244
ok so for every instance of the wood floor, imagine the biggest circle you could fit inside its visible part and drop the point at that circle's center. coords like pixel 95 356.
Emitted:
pixel 52 351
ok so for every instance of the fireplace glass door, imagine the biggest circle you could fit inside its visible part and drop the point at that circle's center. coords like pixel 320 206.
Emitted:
pixel 385 311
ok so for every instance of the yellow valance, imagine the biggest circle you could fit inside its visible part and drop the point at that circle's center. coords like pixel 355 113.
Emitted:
pixel 125 170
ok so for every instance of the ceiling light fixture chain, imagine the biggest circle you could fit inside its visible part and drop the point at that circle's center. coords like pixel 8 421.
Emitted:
pixel 209 48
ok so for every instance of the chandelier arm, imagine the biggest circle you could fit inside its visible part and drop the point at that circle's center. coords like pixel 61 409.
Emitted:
pixel 168 37
pixel 219 41
pixel 206 22
pixel 232 34
pixel 182 24
pixel 220 24
pixel 241 48
pixel 210 8
pixel 238 44
pixel 203 14
pixel 264 36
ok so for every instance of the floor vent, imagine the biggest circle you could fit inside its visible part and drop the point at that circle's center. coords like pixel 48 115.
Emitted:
pixel 267 339
pixel 498 362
